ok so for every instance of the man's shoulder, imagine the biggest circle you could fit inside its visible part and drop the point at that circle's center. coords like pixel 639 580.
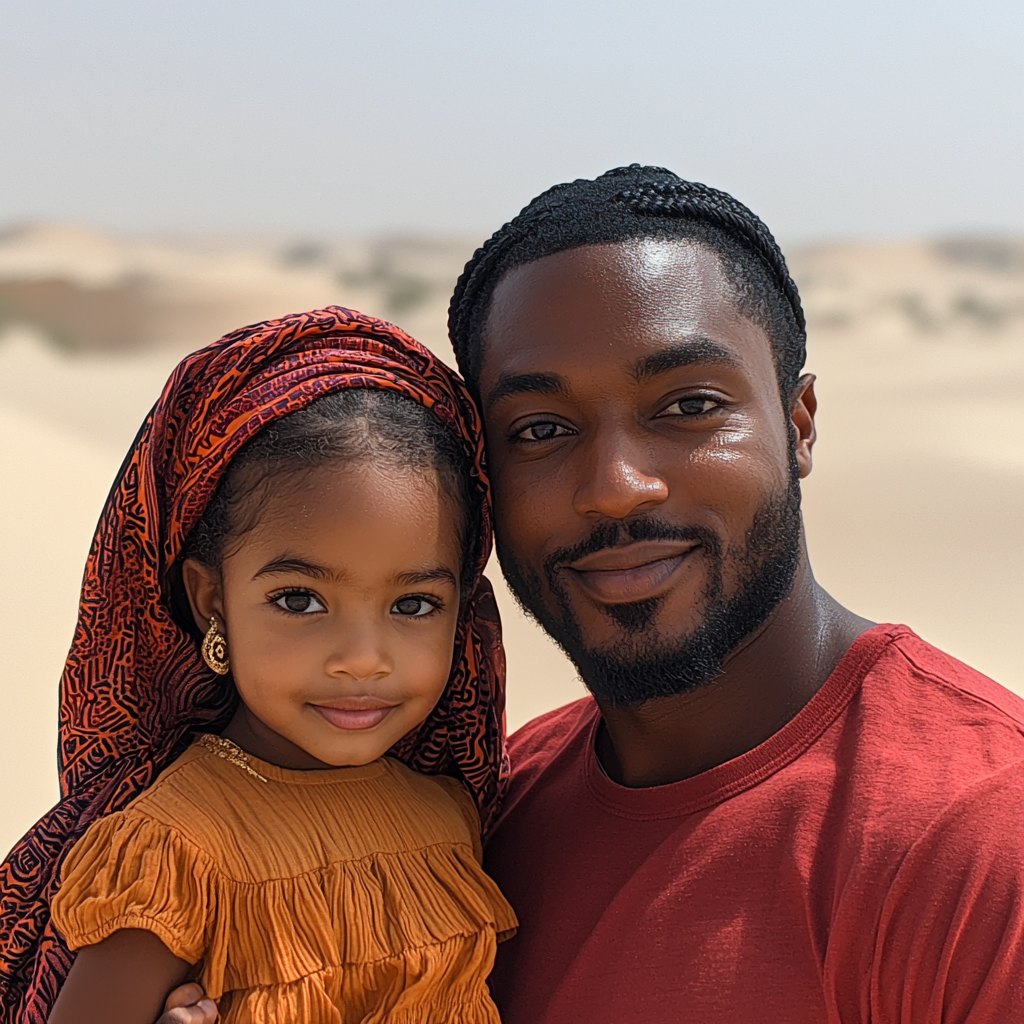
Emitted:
pixel 550 743
pixel 920 680
pixel 958 681
pixel 923 733
pixel 544 735
pixel 548 752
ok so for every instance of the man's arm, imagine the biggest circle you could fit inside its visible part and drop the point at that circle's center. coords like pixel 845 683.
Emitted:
pixel 950 945
pixel 121 980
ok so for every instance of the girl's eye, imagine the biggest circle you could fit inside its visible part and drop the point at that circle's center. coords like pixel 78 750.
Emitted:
pixel 691 406
pixel 542 432
pixel 413 607
pixel 299 602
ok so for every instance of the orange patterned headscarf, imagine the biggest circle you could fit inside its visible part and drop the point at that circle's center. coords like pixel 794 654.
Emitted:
pixel 135 688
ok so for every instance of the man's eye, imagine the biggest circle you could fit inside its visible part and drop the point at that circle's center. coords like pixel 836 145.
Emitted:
pixel 691 406
pixel 413 607
pixel 299 602
pixel 542 432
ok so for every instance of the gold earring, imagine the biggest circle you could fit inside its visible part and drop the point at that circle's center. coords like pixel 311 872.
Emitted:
pixel 215 648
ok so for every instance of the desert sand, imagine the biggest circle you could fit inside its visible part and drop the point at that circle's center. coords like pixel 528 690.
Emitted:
pixel 913 511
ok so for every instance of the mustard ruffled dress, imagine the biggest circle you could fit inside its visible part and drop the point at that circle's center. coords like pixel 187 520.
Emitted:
pixel 344 896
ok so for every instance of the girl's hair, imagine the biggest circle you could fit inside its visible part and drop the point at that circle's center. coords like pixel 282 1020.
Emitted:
pixel 358 425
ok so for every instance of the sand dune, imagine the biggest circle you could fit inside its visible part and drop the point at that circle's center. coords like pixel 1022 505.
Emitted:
pixel 90 291
pixel 913 511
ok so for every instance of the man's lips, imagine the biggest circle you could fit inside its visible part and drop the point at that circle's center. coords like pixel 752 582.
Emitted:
pixel 354 713
pixel 634 572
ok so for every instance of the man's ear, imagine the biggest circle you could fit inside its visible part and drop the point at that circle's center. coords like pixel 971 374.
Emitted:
pixel 205 592
pixel 803 406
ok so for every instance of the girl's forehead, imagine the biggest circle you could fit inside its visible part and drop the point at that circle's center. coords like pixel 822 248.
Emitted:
pixel 364 516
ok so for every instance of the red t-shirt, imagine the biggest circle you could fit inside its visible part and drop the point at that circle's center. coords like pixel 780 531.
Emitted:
pixel 865 865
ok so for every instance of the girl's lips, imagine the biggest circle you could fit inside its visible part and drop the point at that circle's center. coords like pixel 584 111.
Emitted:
pixel 354 718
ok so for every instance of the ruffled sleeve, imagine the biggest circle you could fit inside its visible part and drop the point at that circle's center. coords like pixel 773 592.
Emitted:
pixel 129 871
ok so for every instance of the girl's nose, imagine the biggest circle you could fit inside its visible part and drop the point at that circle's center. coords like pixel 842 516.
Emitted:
pixel 360 653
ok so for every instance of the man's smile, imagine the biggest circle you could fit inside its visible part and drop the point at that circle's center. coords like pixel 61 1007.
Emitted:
pixel 633 572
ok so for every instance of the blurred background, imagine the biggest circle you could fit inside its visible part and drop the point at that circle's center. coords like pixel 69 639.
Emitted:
pixel 171 171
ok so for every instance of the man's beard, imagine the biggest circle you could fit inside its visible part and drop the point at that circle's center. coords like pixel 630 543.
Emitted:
pixel 645 664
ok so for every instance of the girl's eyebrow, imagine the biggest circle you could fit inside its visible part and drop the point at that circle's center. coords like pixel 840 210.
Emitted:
pixel 439 574
pixel 292 564
pixel 288 563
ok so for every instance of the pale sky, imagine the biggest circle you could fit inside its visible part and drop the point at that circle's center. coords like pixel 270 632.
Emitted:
pixel 830 119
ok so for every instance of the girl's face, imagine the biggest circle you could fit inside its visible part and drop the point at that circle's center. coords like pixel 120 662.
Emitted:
pixel 340 610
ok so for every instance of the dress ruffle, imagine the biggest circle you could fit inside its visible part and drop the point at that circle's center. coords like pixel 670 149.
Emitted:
pixel 138 873
pixel 437 983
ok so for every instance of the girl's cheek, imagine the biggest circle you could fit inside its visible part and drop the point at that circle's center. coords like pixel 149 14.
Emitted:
pixel 426 661
pixel 271 674
pixel 442 667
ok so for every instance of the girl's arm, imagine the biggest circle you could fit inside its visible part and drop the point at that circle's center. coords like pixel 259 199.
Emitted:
pixel 121 980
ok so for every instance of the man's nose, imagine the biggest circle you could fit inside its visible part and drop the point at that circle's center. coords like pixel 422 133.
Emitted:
pixel 617 479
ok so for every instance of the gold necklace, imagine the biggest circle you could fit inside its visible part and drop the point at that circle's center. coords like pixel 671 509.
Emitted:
pixel 230 752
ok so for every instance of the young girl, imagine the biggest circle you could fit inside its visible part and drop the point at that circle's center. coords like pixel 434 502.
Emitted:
pixel 282 714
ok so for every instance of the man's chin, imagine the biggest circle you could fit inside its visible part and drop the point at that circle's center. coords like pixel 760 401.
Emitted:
pixel 632 673
pixel 638 659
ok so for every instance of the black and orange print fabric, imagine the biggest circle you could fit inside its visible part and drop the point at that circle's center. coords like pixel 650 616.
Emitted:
pixel 135 688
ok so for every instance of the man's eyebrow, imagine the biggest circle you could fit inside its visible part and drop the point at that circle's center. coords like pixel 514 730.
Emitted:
pixel 698 348
pixel 292 564
pixel 526 383
pixel 439 574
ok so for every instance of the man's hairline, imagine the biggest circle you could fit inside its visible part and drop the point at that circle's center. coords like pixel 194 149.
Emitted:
pixel 773 347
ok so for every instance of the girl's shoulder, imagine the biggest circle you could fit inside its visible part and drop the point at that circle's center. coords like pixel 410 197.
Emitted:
pixel 193 794
pixel 133 870
pixel 441 800
pixel 169 819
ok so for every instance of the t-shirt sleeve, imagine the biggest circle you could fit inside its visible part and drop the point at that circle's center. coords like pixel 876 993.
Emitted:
pixel 951 940
pixel 129 871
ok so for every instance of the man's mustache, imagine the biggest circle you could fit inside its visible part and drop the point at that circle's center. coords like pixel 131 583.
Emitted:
pixel 616 533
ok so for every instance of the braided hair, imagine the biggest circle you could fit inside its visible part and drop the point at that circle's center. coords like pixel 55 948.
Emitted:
pixel 628 203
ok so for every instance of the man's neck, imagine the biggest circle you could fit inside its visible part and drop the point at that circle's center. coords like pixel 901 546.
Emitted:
pixel 764 684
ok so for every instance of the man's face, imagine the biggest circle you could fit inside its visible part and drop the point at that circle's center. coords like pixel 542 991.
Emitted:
pixel 644 468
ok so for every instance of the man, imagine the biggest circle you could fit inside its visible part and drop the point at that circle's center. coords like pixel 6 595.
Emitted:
pixel 770 809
